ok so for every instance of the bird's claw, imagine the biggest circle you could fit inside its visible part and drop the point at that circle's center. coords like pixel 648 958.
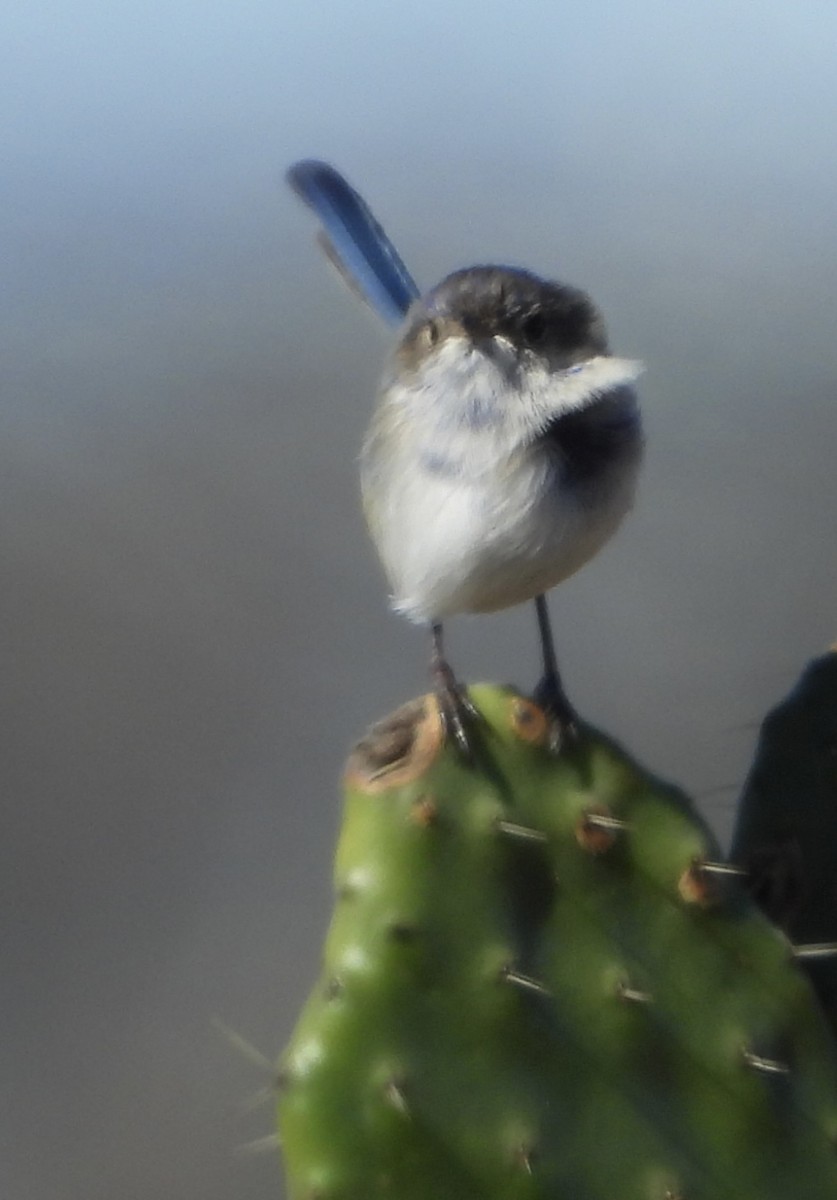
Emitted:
pixel 563 727
pixel 459 717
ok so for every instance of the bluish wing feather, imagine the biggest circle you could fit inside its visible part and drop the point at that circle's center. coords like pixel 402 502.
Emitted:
pixel 354 241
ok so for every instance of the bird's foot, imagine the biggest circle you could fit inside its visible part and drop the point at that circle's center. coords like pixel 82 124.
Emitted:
pixel 552 698
pixel 456 712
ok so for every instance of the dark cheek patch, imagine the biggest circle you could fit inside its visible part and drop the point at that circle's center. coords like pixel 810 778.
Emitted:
pixel 586 444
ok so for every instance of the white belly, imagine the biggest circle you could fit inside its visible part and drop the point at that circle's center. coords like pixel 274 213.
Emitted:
pixel 450 546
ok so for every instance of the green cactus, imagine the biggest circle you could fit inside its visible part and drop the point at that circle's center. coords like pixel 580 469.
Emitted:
pixel 787 822
pixel 539 984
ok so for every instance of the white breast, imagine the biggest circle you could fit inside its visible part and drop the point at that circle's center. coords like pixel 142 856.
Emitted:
pixel 466 509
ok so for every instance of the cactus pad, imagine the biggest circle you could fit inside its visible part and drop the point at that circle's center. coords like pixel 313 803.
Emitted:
pixel 539 984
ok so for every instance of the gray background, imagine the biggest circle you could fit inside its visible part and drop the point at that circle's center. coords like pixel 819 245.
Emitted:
pixel 192 626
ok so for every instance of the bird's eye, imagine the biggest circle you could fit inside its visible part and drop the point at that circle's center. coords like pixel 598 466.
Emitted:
pixel 431 332
pixel 534 329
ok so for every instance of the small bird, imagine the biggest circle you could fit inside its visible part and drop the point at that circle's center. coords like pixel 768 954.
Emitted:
pixel 506 440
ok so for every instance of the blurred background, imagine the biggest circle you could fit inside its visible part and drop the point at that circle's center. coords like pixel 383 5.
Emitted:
pixel 193 628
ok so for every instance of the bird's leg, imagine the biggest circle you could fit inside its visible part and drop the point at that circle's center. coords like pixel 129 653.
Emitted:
pixel 550 692
pixel 455 709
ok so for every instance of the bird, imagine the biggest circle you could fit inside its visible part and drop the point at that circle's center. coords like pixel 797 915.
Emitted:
pixel 505 443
